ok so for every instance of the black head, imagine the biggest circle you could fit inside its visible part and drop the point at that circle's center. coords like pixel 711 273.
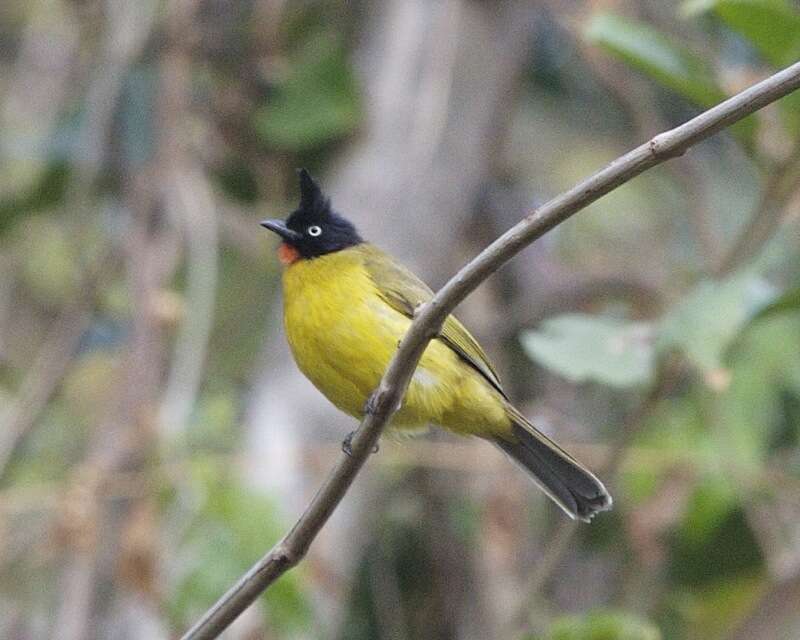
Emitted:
pixel 314 229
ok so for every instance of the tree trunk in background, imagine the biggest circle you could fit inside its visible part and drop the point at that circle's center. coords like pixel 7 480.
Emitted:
pixel 437 82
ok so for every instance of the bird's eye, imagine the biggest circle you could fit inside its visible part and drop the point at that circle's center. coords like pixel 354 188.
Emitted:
pixel 314 231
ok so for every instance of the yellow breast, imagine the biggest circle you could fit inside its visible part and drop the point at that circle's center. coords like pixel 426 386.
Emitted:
pixel 343 334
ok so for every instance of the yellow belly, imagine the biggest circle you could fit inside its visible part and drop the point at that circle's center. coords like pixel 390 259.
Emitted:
pixel 343 334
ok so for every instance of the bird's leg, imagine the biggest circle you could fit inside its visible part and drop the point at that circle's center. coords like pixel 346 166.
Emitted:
pixel 347 442
pixel 370 409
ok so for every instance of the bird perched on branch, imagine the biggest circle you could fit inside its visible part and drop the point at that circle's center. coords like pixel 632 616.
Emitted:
pixel 347 305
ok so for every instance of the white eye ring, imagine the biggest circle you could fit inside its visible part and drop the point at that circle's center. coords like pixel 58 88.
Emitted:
pixel 314 231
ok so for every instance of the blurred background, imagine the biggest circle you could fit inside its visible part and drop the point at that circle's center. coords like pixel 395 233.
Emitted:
pixel 155 436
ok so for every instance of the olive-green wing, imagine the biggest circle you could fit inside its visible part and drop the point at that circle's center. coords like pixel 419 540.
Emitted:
pixel 404 292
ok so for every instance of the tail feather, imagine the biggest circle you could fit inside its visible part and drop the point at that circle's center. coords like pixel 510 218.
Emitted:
pixel 566 481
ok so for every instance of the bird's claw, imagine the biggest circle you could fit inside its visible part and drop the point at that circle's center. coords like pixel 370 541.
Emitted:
pixel 371 405
pixel 347 444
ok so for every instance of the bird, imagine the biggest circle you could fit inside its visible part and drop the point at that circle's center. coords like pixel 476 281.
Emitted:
pixel 347 305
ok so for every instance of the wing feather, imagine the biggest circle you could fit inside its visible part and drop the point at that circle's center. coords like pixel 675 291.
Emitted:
pixel 404 292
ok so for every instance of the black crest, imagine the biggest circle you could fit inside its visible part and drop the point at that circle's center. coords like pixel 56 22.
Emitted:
pixel 312 200
pixel 317 229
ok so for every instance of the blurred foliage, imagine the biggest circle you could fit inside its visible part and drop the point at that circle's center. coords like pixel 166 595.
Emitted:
pixel 709 479
pixel 47 191
pixel 655 54
pixel 598 349
pixel 772 26
pixel 787 303
pixel 738 335
pixel 622 354
pixel 232 526
pixel 773 29
pixel 704 323
pixel 316 103
pixel 604 625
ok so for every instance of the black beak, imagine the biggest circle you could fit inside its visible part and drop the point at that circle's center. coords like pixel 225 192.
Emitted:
pixel 279 227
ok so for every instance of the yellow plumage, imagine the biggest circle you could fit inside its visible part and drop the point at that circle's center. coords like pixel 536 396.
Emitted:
pixel 343 333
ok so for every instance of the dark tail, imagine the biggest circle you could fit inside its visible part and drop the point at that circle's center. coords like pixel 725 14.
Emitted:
pixel 570 485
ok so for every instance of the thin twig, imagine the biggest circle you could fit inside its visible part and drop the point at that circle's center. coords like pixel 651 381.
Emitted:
pixel 293 547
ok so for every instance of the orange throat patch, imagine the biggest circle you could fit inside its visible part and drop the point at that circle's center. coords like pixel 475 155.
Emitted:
pixel 287 254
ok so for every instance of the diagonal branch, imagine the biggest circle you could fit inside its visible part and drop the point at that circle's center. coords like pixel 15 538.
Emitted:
pixel 387 397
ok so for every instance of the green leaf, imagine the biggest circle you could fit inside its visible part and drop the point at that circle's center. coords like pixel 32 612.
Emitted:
pixel 713 499
pixel 50 260
pixel 752 411
pixel 789 302
pixel 229 532
pixel 43 190
pixel 604 625
pixel 771 26
pixel 587 348
pixel 678 430
pixel 316 104
pixel 711 316
pixel 646 49
pixel 714 610
pixel 728 549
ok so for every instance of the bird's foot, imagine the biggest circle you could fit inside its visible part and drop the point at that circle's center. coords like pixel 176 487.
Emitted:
pixel 347 444
pixel 371 405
